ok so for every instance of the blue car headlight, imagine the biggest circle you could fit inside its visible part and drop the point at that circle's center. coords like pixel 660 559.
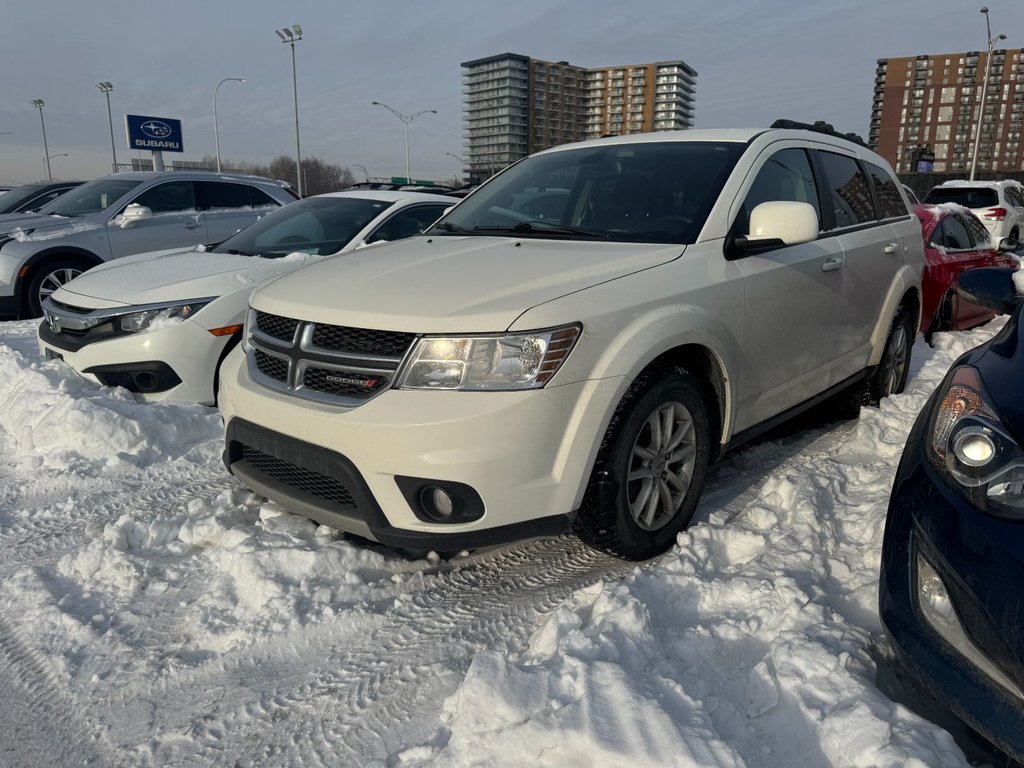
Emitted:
pixel 973 450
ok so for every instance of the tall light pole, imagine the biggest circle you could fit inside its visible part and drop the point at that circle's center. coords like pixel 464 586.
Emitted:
pixel 984 90
pixel 39 104
pixel 362 168
pixel 216 130
pixel 292 36
pixel 405 119
pixel 106 87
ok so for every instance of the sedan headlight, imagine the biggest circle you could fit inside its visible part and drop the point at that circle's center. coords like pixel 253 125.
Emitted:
pixel 502 362
pixel 970 446
pixel 155 317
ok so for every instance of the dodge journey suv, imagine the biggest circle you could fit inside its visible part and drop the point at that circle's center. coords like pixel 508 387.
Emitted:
pixel 571 345
pixel 120 215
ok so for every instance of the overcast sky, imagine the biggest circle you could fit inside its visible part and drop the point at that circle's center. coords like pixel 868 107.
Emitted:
pixel 757 60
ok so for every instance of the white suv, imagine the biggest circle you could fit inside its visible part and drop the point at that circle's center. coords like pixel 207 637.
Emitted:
pixel 999 205
pixel 571 346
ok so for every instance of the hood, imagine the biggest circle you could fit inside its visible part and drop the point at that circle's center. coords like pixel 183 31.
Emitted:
pixel 451 284
pixel 11 221
pixel 174 275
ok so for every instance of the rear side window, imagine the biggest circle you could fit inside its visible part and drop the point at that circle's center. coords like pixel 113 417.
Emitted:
pixel 847 190
pixel 969 197
pixel 407 223
pixel 786 175
pixel 220 194
pixel 890 201
pixel 1015 196
pixel 953 235
pixel 979 234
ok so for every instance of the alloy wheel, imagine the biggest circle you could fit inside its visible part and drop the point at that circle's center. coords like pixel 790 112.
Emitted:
pixel 661 466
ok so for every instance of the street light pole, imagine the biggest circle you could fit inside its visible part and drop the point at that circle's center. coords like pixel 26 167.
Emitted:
pixel 216 130
pixel 362 168
pixel 39 104
pixel 984 90
pixel 106 87
pixel 292 36
pixel 405 119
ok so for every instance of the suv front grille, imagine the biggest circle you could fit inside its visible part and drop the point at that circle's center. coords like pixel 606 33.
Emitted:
pixel 307 480
pixel 319 361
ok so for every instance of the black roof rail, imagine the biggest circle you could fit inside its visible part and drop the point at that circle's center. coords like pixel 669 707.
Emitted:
pixel 820 126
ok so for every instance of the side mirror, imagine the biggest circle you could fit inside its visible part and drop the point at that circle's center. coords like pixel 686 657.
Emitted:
pixel 991 287
pixel 778 223
pixel 1008 244
pixel 132 215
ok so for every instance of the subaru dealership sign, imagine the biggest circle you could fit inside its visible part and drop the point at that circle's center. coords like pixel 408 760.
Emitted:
pixel 159 134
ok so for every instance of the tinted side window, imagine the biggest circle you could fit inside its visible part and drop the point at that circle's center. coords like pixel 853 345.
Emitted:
pixel 1015 196
pixel 169 197
pixel 890 202
pixel 954 235
pixel 219 194
pixel 848 190
pixel 258 197
pixel 407 223
pixel 979 234
pixel 786 175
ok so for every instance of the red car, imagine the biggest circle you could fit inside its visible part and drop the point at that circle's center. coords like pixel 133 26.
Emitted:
pixel 954 241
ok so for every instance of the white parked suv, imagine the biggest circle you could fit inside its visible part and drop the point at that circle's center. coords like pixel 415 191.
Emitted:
pixel 571 346
pixel 999 204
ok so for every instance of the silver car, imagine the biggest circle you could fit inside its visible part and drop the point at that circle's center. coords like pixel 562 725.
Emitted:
pixel 120 215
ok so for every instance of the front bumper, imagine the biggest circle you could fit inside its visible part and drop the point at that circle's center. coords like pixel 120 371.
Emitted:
pixel 976 556
pixel 188 350
pixel 527 455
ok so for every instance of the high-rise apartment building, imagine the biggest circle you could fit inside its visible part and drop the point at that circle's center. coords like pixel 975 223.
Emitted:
pixel 927 109
pixel 515 105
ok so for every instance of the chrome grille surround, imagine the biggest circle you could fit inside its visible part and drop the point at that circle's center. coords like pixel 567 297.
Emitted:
pixel 314 372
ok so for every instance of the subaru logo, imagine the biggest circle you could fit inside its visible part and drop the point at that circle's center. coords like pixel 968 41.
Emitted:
pixel 156 129
pixel 54 322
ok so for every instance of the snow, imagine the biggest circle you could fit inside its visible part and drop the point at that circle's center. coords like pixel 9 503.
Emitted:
pixel 154 612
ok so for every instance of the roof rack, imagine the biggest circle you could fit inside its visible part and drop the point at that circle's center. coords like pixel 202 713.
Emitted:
pixel 820 126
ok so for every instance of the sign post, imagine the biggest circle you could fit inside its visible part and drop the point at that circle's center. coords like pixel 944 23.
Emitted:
pixel 156 134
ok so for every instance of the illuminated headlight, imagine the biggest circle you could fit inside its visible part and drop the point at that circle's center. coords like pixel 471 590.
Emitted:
pixel 153 318
pixel 506 362
pixel 970 446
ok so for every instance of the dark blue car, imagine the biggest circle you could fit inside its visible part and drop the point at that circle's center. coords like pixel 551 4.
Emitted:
pixel 951 594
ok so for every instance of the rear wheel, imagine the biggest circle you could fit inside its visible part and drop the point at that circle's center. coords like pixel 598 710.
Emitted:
pixel 888 378
pixel 650 469
pixel 46 279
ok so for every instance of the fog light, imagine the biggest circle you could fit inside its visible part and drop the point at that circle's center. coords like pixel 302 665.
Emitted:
pixel 974 447
pixel 932 593
pixel 442 502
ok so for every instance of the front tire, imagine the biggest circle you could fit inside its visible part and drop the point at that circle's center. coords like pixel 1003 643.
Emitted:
pixel 650 468
pixel 46 279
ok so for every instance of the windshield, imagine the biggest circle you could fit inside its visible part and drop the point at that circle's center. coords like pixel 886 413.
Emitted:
pixel 12 200
pixel 969 197
pixel 91 197
pixel 655 192
pixel 316 225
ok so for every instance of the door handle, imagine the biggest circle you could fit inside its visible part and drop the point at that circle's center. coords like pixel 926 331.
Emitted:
pixel 891 248
pixel 193 224
pixel 832 264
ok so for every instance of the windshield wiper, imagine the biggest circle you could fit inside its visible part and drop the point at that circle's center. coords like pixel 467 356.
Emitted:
pixel 447 226
pixel 555 229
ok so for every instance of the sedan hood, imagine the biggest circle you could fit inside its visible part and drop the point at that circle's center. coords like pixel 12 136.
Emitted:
pixel 452 284
pixel 174 275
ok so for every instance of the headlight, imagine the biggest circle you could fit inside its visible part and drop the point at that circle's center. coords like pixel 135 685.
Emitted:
pixel 154 318
pixel 505 362
pixel 971 447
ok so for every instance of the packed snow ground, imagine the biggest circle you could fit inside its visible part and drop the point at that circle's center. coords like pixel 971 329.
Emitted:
pixel 155 613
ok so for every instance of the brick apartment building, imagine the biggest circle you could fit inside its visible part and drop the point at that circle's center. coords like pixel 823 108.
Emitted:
pixel 926 109
pixel 515 105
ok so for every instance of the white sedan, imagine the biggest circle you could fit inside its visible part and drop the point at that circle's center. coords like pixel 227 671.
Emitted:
pixel 159 324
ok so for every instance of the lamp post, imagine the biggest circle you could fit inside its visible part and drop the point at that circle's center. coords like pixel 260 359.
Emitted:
pixel 39 104
pixel 362 168
pixel 292 36
pixel 984 89
pixel 216 130
pixel 50 157
pixel 106 88
pixel 405 119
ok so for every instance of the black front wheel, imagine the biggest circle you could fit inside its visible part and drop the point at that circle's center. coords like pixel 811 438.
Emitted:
pixel 650 469
pixel 47 279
